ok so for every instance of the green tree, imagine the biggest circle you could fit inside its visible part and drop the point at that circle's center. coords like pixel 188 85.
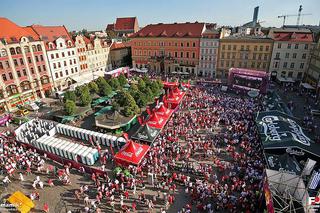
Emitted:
pixel 122 80
pixel 141 84
pixel 100 81
pixel 105 89
pixel 70 107
pixel 85 97
pixel 115 105
pixel 130 105
pixel 147 80
pixel 133 89
pixel 155 88
pixel 149 94
pixel 141 99
pixel 114 83
pixel 69 95
pixel 93 87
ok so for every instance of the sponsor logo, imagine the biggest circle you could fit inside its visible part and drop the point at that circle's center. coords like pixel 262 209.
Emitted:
pixel 271 127
pixel 313 203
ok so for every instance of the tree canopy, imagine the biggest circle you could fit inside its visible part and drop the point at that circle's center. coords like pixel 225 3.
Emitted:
pixel 70 107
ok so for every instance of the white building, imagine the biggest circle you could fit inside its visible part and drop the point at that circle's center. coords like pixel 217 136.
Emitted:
pixel 98 55
pixel 209 45
pixel 291 53
pixel 61 53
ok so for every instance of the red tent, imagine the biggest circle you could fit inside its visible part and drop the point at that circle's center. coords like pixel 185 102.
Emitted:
pixel 131 153
pixel 167 84
pixel 163 111
pixel 157 121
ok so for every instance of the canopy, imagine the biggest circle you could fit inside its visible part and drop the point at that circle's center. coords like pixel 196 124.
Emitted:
pixel 146 133
pixel 131 153
pixel 283 163
pixel 163 111
pixel 280 131
pixel 306 85
pixel 21 202
pixel 157 121
pixel 167 84
pixel 287 80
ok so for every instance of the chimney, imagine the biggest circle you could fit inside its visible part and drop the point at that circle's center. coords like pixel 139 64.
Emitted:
pixel 255 16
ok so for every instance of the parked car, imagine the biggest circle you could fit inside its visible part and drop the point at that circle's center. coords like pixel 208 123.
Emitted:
pixel 315 112
pixel 32 107
pixel 22 112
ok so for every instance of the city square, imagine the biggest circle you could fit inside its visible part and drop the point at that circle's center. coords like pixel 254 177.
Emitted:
pixel 161 117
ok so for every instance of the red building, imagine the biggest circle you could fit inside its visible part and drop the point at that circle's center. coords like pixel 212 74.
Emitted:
pixel 124 26
pixel 168 48
pixel 24 70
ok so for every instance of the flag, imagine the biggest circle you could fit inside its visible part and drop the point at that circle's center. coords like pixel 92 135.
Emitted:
pixel 125 135
pixel 314 180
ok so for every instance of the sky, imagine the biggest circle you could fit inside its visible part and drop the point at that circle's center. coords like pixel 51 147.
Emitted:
pixel 96 14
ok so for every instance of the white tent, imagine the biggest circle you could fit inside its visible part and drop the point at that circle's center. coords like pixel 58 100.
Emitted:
pixel 306 85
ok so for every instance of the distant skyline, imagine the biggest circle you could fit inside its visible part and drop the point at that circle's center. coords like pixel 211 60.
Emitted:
pixel 96 14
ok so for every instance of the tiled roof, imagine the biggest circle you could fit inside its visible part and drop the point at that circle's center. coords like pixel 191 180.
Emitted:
pixel 171 30
pixel 117 45
pixel 125 23
pixel 110 27
pixel 293 35
pixel 51 33
pixel 13 33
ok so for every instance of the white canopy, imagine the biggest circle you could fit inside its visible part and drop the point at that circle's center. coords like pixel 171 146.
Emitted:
pixel 288 80
pixel 306 85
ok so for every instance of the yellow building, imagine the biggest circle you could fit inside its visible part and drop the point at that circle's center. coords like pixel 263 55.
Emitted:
pixel 249 52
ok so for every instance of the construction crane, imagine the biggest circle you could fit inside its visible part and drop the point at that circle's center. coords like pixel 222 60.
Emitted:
pixel 294 15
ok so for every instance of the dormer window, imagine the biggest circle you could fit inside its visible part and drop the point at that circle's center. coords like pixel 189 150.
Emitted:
pixel 69 43
pixel 60 44
pixel 50 46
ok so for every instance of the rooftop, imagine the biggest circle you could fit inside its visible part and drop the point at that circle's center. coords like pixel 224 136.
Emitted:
pixel 291 34
pixel 126 23
pixel 193 30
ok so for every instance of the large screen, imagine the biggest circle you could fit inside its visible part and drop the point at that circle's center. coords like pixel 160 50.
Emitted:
pixel 247 81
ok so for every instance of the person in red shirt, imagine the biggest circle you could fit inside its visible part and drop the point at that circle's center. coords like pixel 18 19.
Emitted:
pixel 46 207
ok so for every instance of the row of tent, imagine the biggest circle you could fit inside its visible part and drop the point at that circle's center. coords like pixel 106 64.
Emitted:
pixel 68 150
pixel 88 135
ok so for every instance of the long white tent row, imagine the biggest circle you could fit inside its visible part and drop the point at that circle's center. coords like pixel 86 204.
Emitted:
pixel 87 135
pixel 68 150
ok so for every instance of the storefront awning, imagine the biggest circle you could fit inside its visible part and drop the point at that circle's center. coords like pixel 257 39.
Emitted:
pixel 306 85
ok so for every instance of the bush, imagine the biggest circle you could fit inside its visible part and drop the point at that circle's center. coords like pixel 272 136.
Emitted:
pixel 105 89
pixel 70 107
pixel 69 95
pixel 114 83
pixel 141 99
pixel 141 84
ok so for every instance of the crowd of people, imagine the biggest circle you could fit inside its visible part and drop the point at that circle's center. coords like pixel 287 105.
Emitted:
pixel 209 151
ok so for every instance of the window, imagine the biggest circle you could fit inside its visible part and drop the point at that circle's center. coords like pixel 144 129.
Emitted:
pixel 279 45
pixel 304 56
pixel 60 44
pixel 229 47
pixel 1 66
pixel 52 56
pixel 234 47
pixel 68 53
pixel 187 55
pixel 54 65
pixel 187 44
pixel 290 74
pixel 70 62
pixel 181 44
pixel 61 74
pixel 76 69
pixel 72 52
pixel 223 47
pixel 301 65
pixel 285 64
pixel 72 70
pixel 67 73
pixel 41 57
pixel 21 61
pixel 299 76
pixel 289 46
pixel 193 44
pixel 255 48
pixel 7 64
pixel 65 63
pixel 242 47
pixel 306 46
pixel 74 61
pixel 277 55
pixel 37 59
pixel 292 65
pixel 10 75
pixel 39 47
pixel 176 54
pixel 39 69
pixel 294 55
pixel 62 54
pixel 59 65
pixel 267 48
pixel 57 75
pixel 18 73
pixel 4 77
pixel 276 64
pixel 29 60
pixel 222 55
pixel 57 55
pixel 24 72
pixel 287 55
pixel 265 57
pixel 12 51
pixel 296 46
pixel 32 70
pixel 181 54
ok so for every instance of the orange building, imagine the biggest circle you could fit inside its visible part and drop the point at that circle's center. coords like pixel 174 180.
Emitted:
pixel 168 48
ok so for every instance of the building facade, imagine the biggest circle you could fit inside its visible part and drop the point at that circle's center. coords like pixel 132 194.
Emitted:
pixel 209 46
pixel 123 27
pixel 118 52
pixel 291 52
pixel 98 52
pixel 252 52
pixel 81 45
pixel 168 48
pixel 61 53
pixel 24 70
pixel 313 72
